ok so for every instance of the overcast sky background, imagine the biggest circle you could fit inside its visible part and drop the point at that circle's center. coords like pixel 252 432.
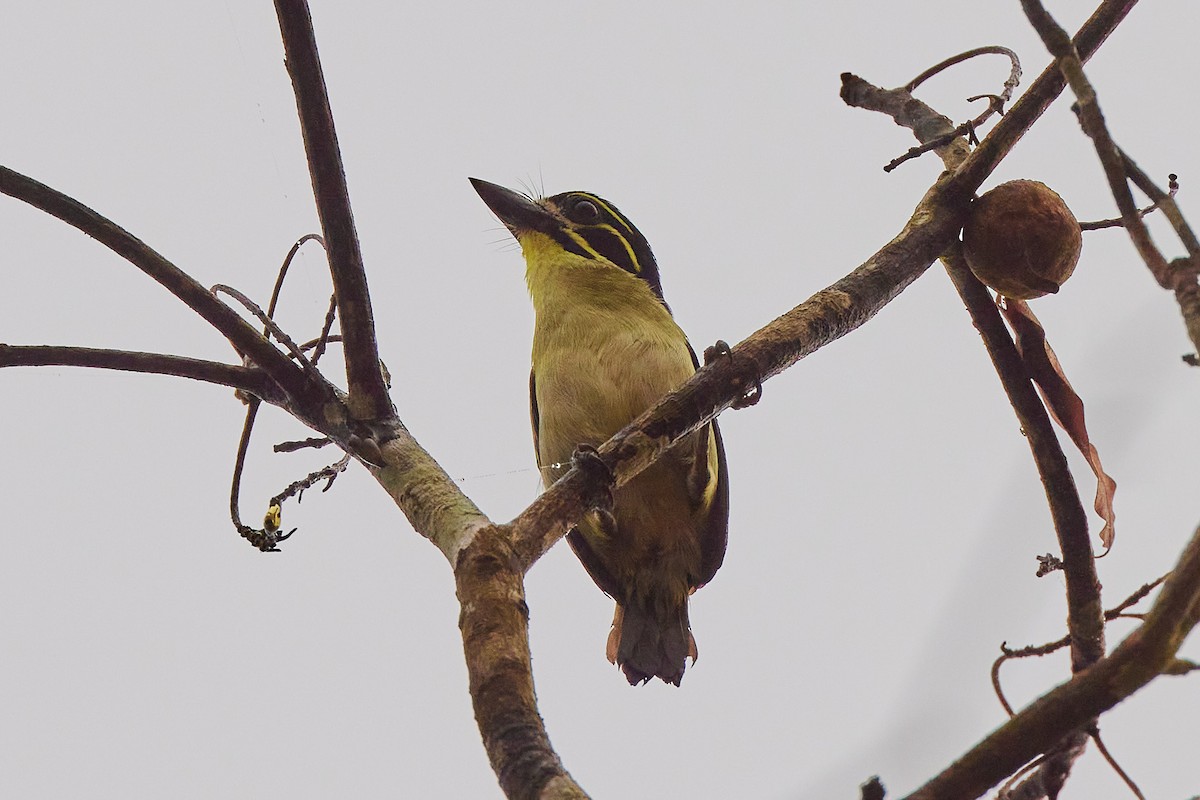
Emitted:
pixel 885 512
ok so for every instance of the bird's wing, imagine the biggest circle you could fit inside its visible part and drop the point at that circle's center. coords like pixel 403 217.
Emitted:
pixel 714 525
pixel 533 417
pixel 579 544
pixel 711 502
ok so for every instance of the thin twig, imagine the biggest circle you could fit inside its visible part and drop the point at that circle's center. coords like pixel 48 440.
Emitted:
pixel 1024 652
pixel 283 269
pixel 248 380
pixel 1014 74
pixel 969 128
pixel 312 344
pixel 267 322
pixel 314 443
pixel 1112 762
pixel 324 339
pixel 328 473
pixel 1165 200
pixel 1117 222
pixel 1136 597
pixel 1116 612
pixel 261 538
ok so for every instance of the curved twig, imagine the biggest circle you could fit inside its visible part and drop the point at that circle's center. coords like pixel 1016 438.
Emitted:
pixel 239 464
pixel 1112 763
pixel 268 537
pixel 287 263
pixel 969 128
pixel 1014 73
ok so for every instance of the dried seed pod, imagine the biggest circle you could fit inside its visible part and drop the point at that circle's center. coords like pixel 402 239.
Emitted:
pixel 1022 240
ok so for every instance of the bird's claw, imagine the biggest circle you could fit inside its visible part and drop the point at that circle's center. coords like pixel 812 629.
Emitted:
pixel 718 349
pixel 588 460
pixel 750 398
pixel 721 349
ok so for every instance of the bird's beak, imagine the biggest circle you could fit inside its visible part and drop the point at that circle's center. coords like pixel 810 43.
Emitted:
pixel 516 211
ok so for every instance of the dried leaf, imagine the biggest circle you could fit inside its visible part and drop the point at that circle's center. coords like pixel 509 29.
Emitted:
pixel 1064 405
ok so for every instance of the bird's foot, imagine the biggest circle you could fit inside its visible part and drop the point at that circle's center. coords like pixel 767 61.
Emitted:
pixel 721 349
pixel 600 479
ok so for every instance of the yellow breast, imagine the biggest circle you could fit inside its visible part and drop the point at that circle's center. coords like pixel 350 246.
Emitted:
pixel 604 349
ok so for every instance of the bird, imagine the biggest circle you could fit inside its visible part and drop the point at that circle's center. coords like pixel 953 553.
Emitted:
pixel 606 348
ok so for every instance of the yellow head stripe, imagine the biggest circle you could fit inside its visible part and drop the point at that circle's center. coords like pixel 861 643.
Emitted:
pixel 582 242
pixel 633 259
pixel 579 237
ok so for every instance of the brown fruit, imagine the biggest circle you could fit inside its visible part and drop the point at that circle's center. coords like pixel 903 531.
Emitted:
pixel 1022 240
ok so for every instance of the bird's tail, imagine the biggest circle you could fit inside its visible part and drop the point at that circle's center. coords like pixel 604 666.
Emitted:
pixel 652 640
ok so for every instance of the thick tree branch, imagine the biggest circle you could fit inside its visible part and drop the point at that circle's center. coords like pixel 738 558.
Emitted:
pixel 430 499
pixel 252 381
pixel 495 630
pixel 368 398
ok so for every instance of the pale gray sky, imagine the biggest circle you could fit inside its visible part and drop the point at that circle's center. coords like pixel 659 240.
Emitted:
pixel 885 513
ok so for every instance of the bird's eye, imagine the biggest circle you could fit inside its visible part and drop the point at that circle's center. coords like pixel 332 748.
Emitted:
pixel 585 211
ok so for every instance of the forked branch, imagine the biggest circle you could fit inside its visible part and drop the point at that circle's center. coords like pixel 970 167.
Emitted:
pixel 244 338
